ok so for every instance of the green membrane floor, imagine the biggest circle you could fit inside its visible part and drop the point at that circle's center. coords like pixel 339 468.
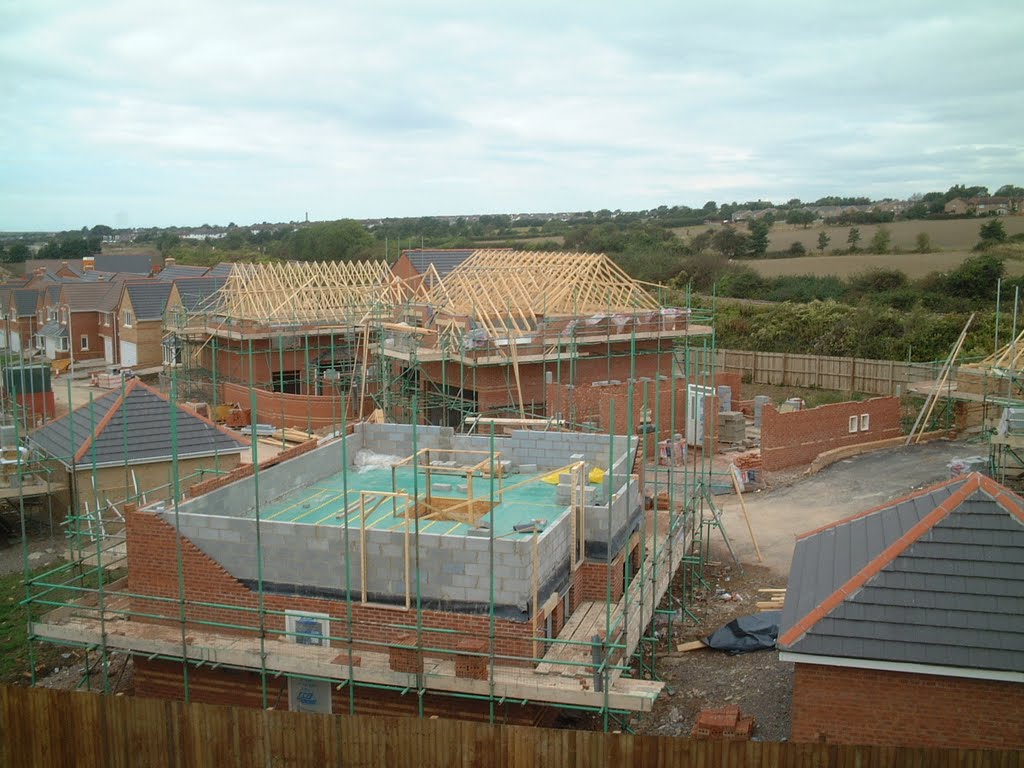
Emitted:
pixel 327 503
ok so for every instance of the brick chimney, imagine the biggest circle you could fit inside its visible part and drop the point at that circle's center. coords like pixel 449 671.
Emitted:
pixel 88 263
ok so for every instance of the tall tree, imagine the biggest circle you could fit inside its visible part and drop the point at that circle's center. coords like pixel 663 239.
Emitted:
pixel 853 238
pixel 759 238
pixel 823 241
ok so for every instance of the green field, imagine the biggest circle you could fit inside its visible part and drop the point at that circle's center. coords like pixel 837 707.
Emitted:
pixel 949 234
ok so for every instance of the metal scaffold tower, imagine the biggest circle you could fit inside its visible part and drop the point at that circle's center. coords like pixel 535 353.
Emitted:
pixel 325 562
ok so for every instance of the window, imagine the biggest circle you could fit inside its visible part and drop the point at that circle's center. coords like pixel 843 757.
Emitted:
pixel 853 424
pixel 62 344
pixel 83 343
pixel 52 314
pixel 128 319
pixel 865 422
pixel 172 352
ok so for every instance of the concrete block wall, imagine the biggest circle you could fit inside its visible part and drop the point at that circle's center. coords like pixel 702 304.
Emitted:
pixel 454 570
pixel 238 498
pixel 396 439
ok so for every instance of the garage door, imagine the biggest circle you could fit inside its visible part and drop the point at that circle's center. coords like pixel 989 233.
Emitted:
pixel 108 349
pixel 129 353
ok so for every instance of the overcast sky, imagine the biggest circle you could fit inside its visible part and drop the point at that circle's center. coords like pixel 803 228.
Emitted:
pixel 179 113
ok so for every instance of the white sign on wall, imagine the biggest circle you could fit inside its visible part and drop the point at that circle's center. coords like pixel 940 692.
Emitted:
pixel 306 628
pixel 306 695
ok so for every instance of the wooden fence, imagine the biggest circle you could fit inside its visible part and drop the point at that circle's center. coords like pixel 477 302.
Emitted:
pixel 41 727
pixel 845 374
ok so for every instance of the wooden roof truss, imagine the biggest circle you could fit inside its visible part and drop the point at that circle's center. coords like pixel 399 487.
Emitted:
pixel 312 292
pixel 507 293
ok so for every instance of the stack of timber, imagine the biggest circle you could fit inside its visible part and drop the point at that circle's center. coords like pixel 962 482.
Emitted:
pixel 771 599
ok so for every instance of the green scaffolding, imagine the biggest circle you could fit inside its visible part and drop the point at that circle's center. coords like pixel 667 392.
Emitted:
pixel 362 380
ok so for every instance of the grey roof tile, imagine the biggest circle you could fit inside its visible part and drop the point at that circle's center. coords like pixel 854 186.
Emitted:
pixel 53 328
pixel 174 271
pixel 197 293
pixel 444 261
pixel 139 428
pixel 149 299
pixel 954 596
pixel 25 300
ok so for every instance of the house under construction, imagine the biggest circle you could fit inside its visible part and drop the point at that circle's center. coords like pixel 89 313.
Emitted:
pixel 498 502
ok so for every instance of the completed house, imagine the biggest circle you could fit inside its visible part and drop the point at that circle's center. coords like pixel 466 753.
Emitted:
pixel 22 318
pixel 121 446
pixel 139 316
pixel 72 311
pixel 906 623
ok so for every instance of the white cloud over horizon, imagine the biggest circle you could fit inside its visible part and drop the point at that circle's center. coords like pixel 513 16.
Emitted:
pixel 155 114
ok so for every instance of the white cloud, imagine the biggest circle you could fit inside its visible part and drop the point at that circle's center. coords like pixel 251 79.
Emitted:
pixel 159 113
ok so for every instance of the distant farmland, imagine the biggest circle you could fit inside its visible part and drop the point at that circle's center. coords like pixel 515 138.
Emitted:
pixel 915 265
pixel 949 234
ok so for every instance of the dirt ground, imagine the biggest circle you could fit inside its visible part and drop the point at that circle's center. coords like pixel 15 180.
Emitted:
pixel 793 503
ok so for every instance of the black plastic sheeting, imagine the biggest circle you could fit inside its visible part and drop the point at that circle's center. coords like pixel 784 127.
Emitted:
pixel 756 632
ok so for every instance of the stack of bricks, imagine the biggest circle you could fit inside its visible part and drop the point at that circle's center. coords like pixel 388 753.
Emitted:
pixel 722 723
pixel 405 656
pixel 750 468
pixel 471 659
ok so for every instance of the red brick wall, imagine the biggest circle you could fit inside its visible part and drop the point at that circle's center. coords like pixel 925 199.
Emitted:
pixel 587 403
pixel 861 706
pixel 495 385
pixel 152 571
pixel 165 680
pixel 791 439
pixel 309 412
pixel 590 581
pixel 732 380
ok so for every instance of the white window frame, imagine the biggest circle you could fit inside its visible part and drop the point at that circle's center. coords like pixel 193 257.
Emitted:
pixel 291 626
pixel 127 319
pixel 62 344
pixel 853 424
pixel 83 343
pixel 865 422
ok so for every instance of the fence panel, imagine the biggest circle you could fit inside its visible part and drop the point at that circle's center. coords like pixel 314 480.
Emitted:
pixel 844 374
pixel 40 727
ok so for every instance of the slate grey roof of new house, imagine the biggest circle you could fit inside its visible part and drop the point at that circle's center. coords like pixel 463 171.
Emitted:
pixel 136 263
pixel 85 297
pixel 25 301
pixel 53 328
pixel 444 261
pixel 139 425
pixel 174 271
pixel 935 578
pixel 197 292
pixel 149 299
pixel 223 269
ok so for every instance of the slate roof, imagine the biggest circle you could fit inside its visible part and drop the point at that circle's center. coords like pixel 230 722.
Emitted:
pixel 195 292
pixel 136 263
pixel 25 300
pixel 140 422
pixel 444 261
pixel 85 297
pixel 223 269
pixel 934 578
pixel 149 299
pixel 53 328
pixel 174 271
